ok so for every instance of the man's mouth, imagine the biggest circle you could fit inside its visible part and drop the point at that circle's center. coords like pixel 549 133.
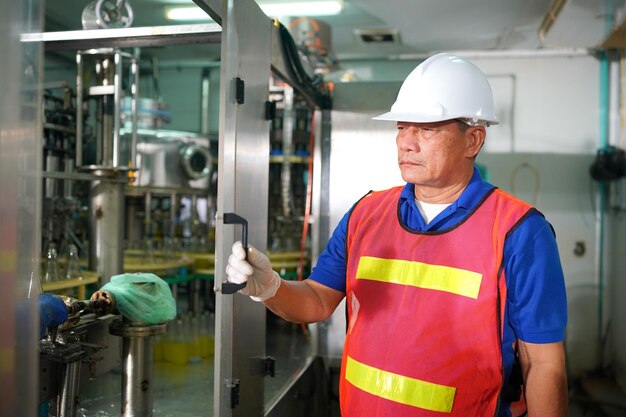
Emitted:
pixel 407 162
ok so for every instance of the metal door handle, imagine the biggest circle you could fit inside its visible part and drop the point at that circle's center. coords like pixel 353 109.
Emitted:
pixel 232 218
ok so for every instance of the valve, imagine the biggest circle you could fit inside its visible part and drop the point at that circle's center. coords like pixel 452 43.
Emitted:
pixel 609 165
pixel 107 14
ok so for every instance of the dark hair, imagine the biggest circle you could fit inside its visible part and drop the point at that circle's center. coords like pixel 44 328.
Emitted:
pixel 462 125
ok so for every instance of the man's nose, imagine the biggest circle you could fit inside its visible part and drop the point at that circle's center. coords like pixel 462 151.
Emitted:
pixel 407 140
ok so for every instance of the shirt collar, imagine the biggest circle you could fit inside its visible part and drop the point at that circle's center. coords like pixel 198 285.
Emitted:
pixel 468 199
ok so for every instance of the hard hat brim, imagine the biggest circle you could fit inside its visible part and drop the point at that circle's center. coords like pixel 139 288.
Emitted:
pixel 426 118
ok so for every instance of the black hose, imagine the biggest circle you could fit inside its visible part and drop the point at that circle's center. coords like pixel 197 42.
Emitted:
pixel 312 86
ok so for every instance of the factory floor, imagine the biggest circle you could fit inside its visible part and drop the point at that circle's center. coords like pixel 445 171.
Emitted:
pixel 187 391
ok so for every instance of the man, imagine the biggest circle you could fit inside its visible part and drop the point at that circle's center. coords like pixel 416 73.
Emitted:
pixel 454 289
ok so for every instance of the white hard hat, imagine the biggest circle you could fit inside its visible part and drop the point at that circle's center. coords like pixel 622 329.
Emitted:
pixel 444 87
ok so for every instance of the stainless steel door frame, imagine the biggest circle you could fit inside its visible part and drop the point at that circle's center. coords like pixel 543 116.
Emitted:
pixel 243 176
pixel 20 207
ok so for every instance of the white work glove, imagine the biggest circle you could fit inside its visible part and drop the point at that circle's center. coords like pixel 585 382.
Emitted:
pixel 263 281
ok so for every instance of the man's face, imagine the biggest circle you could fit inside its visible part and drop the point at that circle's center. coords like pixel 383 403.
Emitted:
pixel 435 154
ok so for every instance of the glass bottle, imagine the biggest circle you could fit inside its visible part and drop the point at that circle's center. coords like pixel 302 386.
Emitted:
pixel 52 267
pixel 34 282
pixel 73 263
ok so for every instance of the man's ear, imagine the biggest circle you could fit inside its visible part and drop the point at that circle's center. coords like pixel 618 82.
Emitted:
pixel 476 140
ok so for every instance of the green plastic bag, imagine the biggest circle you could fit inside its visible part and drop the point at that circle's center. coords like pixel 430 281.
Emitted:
pixel 142 298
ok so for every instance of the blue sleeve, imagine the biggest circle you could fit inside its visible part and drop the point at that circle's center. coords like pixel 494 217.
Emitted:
pixel 330 269
pixel 536 297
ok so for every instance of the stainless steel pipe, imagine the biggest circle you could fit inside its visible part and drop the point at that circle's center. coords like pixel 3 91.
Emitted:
pixel 68 397
pixel 106 242
pixel 137 357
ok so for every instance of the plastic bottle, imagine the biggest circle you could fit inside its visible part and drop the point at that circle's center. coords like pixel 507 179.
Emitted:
pixel 177 352
pixel 73 263
pixel 52 267
pixel 157 348
pixel 207 342
pixel 193 337
pixel 166 341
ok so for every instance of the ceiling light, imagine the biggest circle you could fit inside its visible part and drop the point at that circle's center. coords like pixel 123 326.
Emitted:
pixel 303 8
pixel 186 13
pixel 273 9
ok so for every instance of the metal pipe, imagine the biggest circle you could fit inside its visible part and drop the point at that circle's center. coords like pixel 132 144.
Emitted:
pixel 52 165
pixel 137 363
pixel 137 376
pixel 173 207
pixel 107 228
pixel 206 89
pixel 322 154
pixel 194 296
pixel 79 110
pixel 100 141
pixel 601 219
pixel 194 214
pixel 147 217
pixel 185 63
pixel 117 103
pixel 548 20
pixel 613 114
pixel 285 177
pixel 68 191
pixel 68 397
pixel 134 69
pixel 479 53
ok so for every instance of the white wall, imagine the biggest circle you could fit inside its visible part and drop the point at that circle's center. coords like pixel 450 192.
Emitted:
pixel 555 102
pixel 546 104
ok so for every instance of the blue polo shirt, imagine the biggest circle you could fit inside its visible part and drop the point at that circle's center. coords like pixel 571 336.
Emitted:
pixel 536 305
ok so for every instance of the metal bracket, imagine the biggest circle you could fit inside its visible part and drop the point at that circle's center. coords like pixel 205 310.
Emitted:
pixel 269 366
pixel 270 110
pixel 239 86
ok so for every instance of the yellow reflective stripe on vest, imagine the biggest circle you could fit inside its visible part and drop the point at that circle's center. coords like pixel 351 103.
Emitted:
pixel 398 388
pixel 418 274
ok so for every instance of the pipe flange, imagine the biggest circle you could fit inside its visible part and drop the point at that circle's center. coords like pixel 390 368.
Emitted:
pixel 195 161
pixel 122 329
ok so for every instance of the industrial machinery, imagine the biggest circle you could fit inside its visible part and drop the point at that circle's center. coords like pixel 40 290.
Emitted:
pixel 67 331
pixel 123 193
pixel 63 347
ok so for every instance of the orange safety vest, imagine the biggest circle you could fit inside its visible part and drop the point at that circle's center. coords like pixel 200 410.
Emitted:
pixel 425 311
